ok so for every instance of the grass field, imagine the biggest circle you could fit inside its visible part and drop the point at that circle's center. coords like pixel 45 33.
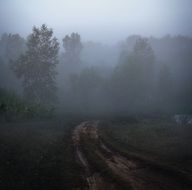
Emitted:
pixel 38 155
pixel 160 139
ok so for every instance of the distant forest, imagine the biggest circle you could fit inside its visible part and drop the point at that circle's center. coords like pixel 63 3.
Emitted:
pixel 138 75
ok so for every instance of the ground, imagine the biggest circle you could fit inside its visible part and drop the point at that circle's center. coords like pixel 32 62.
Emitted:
pixel 135 154
pixel 109 168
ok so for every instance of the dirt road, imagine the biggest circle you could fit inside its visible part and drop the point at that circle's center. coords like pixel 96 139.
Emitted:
pixel 128 173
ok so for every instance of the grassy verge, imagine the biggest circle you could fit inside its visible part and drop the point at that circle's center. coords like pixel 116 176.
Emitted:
pixel 164 144
pixel 163 139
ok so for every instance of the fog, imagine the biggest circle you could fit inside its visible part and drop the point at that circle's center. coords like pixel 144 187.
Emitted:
pixel 96 94
pixel 104 21
pixel 110 56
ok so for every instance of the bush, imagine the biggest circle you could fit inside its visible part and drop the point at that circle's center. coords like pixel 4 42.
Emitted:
pixel 13 107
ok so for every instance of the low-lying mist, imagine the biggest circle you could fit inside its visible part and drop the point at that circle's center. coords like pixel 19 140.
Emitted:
pixel 137 75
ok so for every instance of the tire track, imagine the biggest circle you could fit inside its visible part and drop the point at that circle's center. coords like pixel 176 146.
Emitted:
pixel 94 180
pixel 136 174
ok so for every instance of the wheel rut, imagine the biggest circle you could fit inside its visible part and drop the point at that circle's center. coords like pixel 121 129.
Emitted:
pixel 136 175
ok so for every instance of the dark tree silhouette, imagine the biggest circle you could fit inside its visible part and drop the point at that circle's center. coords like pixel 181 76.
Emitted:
pixel 73 46
pixel 37 67
pixel 132 80
pixel 143 58
pixel 11 47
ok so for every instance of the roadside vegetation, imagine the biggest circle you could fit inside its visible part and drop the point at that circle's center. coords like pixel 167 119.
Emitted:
pixel 158 139
pixel 14 108
pixel 109 165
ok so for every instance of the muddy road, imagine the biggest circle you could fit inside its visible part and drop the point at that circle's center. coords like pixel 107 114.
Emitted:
pixel 128 173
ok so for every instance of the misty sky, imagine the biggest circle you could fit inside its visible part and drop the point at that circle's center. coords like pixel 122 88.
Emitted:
pixel 99 20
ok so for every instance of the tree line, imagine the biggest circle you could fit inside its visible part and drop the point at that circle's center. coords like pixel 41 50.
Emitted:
pixel 143 80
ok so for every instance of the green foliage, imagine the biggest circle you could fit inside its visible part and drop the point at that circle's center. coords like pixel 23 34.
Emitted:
pixel 37 66
pixel 12 107
pixel 10 102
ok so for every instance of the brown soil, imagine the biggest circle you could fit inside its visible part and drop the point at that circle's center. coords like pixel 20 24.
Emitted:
pixel 136 174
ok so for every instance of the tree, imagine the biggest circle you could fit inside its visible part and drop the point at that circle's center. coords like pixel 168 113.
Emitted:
pixel 165 95
pixel 11 47
pixel 73 46
pixel 132 81
pixel 85 89
pixel 143 59
pixel 37 67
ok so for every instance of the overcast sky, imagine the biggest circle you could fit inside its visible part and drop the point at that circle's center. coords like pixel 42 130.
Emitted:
pixel 100 20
